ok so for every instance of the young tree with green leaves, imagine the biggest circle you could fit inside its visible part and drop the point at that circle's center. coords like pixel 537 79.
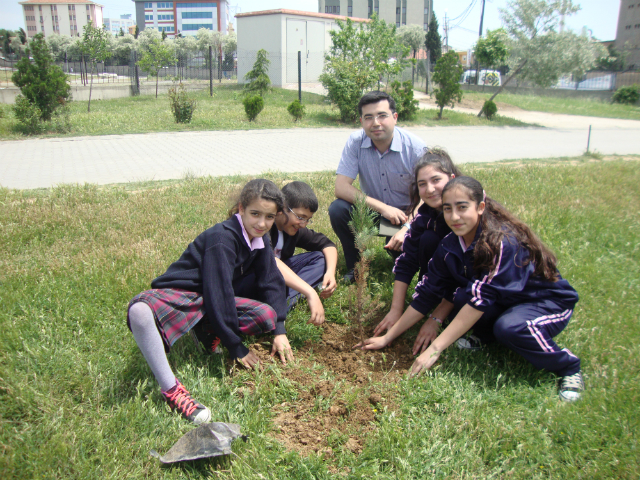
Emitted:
pixel 433 44
pixel 136 32
pixel 411 36
pixel 41 82
pixel 447 74
pixel 159 54
pixel 359 56
pixel 95 46
pixel 259 81
pixel 539 53
pixel 493 50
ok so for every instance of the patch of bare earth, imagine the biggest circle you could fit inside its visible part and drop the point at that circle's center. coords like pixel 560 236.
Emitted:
pixel 341 391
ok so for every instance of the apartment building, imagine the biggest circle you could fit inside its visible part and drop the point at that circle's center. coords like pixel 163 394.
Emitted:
pixel 114 25
pixel 398 12
pixel 183 16
pixel 61 17
pixel 628 32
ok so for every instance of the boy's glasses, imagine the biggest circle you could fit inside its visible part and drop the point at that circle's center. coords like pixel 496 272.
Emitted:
pixel 302 220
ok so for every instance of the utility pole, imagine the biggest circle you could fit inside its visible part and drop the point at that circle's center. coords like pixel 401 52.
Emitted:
pixel 479 37
pixel 446 32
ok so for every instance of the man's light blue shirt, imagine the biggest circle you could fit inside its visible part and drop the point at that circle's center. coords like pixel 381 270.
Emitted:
pixel 384 176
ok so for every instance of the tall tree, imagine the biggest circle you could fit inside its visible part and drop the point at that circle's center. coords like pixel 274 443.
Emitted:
pixel 259 81
pixel 492 50
pixel 95 46
pixel 41 82
pixel 159 54
pixel 539 53
pixel 411 36
pixel 433 42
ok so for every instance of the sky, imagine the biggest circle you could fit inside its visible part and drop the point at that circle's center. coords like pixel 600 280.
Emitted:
pixel 600 16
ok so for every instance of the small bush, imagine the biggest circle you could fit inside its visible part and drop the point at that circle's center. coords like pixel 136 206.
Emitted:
pixel 61 120
pixel 253 106
pixel 628 95
pixel 182 104
pixel 402 93
pixel 28 115
pixel 296 109
pixel 490 109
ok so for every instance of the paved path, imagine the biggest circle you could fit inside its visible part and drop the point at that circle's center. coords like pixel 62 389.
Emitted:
pixel 107 159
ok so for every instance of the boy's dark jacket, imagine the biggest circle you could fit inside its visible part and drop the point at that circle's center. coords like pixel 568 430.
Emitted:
pixel 304 238
pixel 426 219
pixel 510 283
pixel 213 265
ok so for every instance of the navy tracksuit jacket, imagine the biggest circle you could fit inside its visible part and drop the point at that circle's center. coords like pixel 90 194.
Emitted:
pixel 520 310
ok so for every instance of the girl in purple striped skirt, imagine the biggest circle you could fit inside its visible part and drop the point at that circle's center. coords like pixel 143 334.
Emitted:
pixel 227 280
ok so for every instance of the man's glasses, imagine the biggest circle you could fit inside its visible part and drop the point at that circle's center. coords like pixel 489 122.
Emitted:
pixel 381 117
pixel 302 220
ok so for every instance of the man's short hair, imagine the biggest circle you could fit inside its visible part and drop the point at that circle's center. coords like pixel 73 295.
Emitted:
pixel 300 195
pixel 375 97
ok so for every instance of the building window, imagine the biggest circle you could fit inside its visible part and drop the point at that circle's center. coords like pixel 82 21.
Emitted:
pixel 198 5
pixel 42 27
pixel 40 8
pixel 89 17
pixel 426 11
pixel 170 17
pixel 195 15
pixel 397 10
pixel 404 10
pixel 148 5
pixel 376 9
pixel 397 24
pixel 87 7
pixel 165 29
pixel 424 27
pixel 349 10
pixel 165 5
pixel 197 26
pixel 148 17
pixel 628 27
pixel 41 20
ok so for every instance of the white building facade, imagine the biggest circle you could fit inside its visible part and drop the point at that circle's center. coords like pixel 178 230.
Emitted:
pixel 57 17
pixel 114 25
pixel 398 12
pixel 184 17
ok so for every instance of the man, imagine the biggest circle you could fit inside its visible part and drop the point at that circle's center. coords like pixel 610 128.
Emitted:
pixel 383 156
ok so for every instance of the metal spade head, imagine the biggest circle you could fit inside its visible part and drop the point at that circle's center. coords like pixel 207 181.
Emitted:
pixel 208 440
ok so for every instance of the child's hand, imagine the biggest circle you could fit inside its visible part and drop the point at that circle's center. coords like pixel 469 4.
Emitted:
pixel 424 361
pixel 250 360
pixel 395 242
pixel 328 285
pixel 426 335
pixel 317 310
pixel 282 347
pixel 387 322
pixel 374 343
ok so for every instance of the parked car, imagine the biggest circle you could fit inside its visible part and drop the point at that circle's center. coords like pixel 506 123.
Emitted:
pixel 487 77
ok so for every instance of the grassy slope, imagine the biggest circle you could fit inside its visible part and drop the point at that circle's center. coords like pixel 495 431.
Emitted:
pixel 222 112
pixel 79 402
pixel 568 106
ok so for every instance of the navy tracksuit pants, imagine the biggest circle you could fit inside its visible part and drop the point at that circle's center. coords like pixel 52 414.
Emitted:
pixel 310 267
pixel 527 329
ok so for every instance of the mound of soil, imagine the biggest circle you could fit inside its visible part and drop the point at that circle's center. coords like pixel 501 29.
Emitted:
pixel 337 403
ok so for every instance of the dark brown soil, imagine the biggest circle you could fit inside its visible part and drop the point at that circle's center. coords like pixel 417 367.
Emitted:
pixel 337 403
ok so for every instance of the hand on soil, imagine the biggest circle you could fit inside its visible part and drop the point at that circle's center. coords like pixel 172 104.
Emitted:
pixel 282 348
pixel 426 335
pixel 425 361
pixel 317 310
pixel 387 322
pixel 374 343
pixel 329 285
pixel 250 360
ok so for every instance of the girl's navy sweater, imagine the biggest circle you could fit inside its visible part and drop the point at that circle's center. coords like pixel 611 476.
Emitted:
pixel 426 219
pixel 213 265
pixel 508 283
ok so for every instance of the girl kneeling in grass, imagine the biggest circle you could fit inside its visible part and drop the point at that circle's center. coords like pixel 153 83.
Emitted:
pixel 501 280
pixel 228 278
pixel 427 229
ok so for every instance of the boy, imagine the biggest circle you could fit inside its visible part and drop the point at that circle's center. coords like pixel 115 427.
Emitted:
pixel 304 272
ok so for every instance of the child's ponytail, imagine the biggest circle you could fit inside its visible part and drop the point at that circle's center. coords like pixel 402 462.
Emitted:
pixel 496 221
pixel 258 188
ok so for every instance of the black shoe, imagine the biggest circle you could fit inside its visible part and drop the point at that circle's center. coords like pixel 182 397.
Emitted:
pixel 349 277
pixel 469 343
pixel 205 339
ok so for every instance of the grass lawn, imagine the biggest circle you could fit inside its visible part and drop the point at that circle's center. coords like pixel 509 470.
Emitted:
pixel 224 111
pixel 568 106
pixel 78 400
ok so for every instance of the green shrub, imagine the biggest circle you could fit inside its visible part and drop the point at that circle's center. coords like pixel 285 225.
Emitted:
pixel 489 108
pixel 253 106
pixel 259 81
pixel 344 91
pixel 628 95
pixel 61 120
pixel 296 109
pixel 402 93
pixel 182 104
pixel 42 82
pixel 28 115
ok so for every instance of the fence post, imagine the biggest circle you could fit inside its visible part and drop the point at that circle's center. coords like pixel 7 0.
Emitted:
pixel 299 76
pixel 219 67
pixel 136 73
pixel 210 71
